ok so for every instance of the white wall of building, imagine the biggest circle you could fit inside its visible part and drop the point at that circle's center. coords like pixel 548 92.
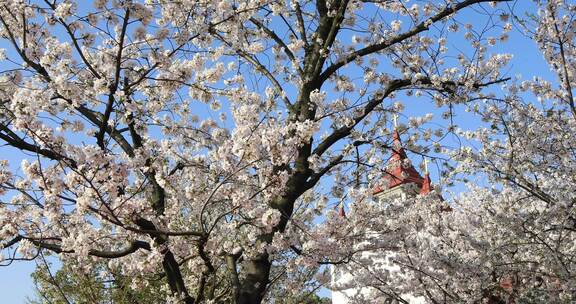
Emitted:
pixel 346 289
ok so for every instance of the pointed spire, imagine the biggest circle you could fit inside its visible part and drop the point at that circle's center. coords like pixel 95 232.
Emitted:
pixel 426 185
pixel 398 152
pixel 342 213
pixel 400 173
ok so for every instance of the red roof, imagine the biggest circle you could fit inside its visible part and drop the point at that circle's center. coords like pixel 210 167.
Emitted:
pixel 342 213
pixel 400 173
pixel 426 185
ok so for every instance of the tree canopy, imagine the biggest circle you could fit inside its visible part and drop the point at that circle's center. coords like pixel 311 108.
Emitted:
pixel 201 148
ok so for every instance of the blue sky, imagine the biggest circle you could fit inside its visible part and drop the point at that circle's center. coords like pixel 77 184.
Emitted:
pixel 15 281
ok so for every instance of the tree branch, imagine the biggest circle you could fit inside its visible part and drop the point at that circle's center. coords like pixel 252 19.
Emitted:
pixel 107 254
pixel 421 27
pixel 279 41
pixel 114 87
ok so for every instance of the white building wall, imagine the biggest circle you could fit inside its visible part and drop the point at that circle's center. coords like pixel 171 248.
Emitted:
pixel 346 290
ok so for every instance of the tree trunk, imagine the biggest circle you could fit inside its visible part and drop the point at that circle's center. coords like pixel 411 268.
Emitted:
pixel 254 285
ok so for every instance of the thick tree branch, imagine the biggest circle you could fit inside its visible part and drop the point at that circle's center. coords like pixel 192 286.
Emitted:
pixel 373 103
pixel 421 27
pixel 17 142
pixel 233 274
pixel 114 86
pixel 394 85
pixel 314 178
pixel 107 254
pixel 300 21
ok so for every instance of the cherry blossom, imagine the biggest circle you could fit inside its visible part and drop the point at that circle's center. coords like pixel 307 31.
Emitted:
pixel 206 144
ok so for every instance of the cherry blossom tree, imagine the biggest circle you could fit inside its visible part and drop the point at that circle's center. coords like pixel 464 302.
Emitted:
pixel 191 142
pixel 523 225
pixel 510 237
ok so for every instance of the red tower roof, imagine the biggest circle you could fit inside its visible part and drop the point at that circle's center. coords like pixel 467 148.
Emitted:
pixel 342 213
pixel 400 173
pixel 426 185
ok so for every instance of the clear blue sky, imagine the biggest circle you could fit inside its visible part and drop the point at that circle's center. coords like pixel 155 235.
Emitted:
pixel 15 282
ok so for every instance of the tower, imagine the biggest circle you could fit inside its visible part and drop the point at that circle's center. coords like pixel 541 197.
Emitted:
pixel 402 180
